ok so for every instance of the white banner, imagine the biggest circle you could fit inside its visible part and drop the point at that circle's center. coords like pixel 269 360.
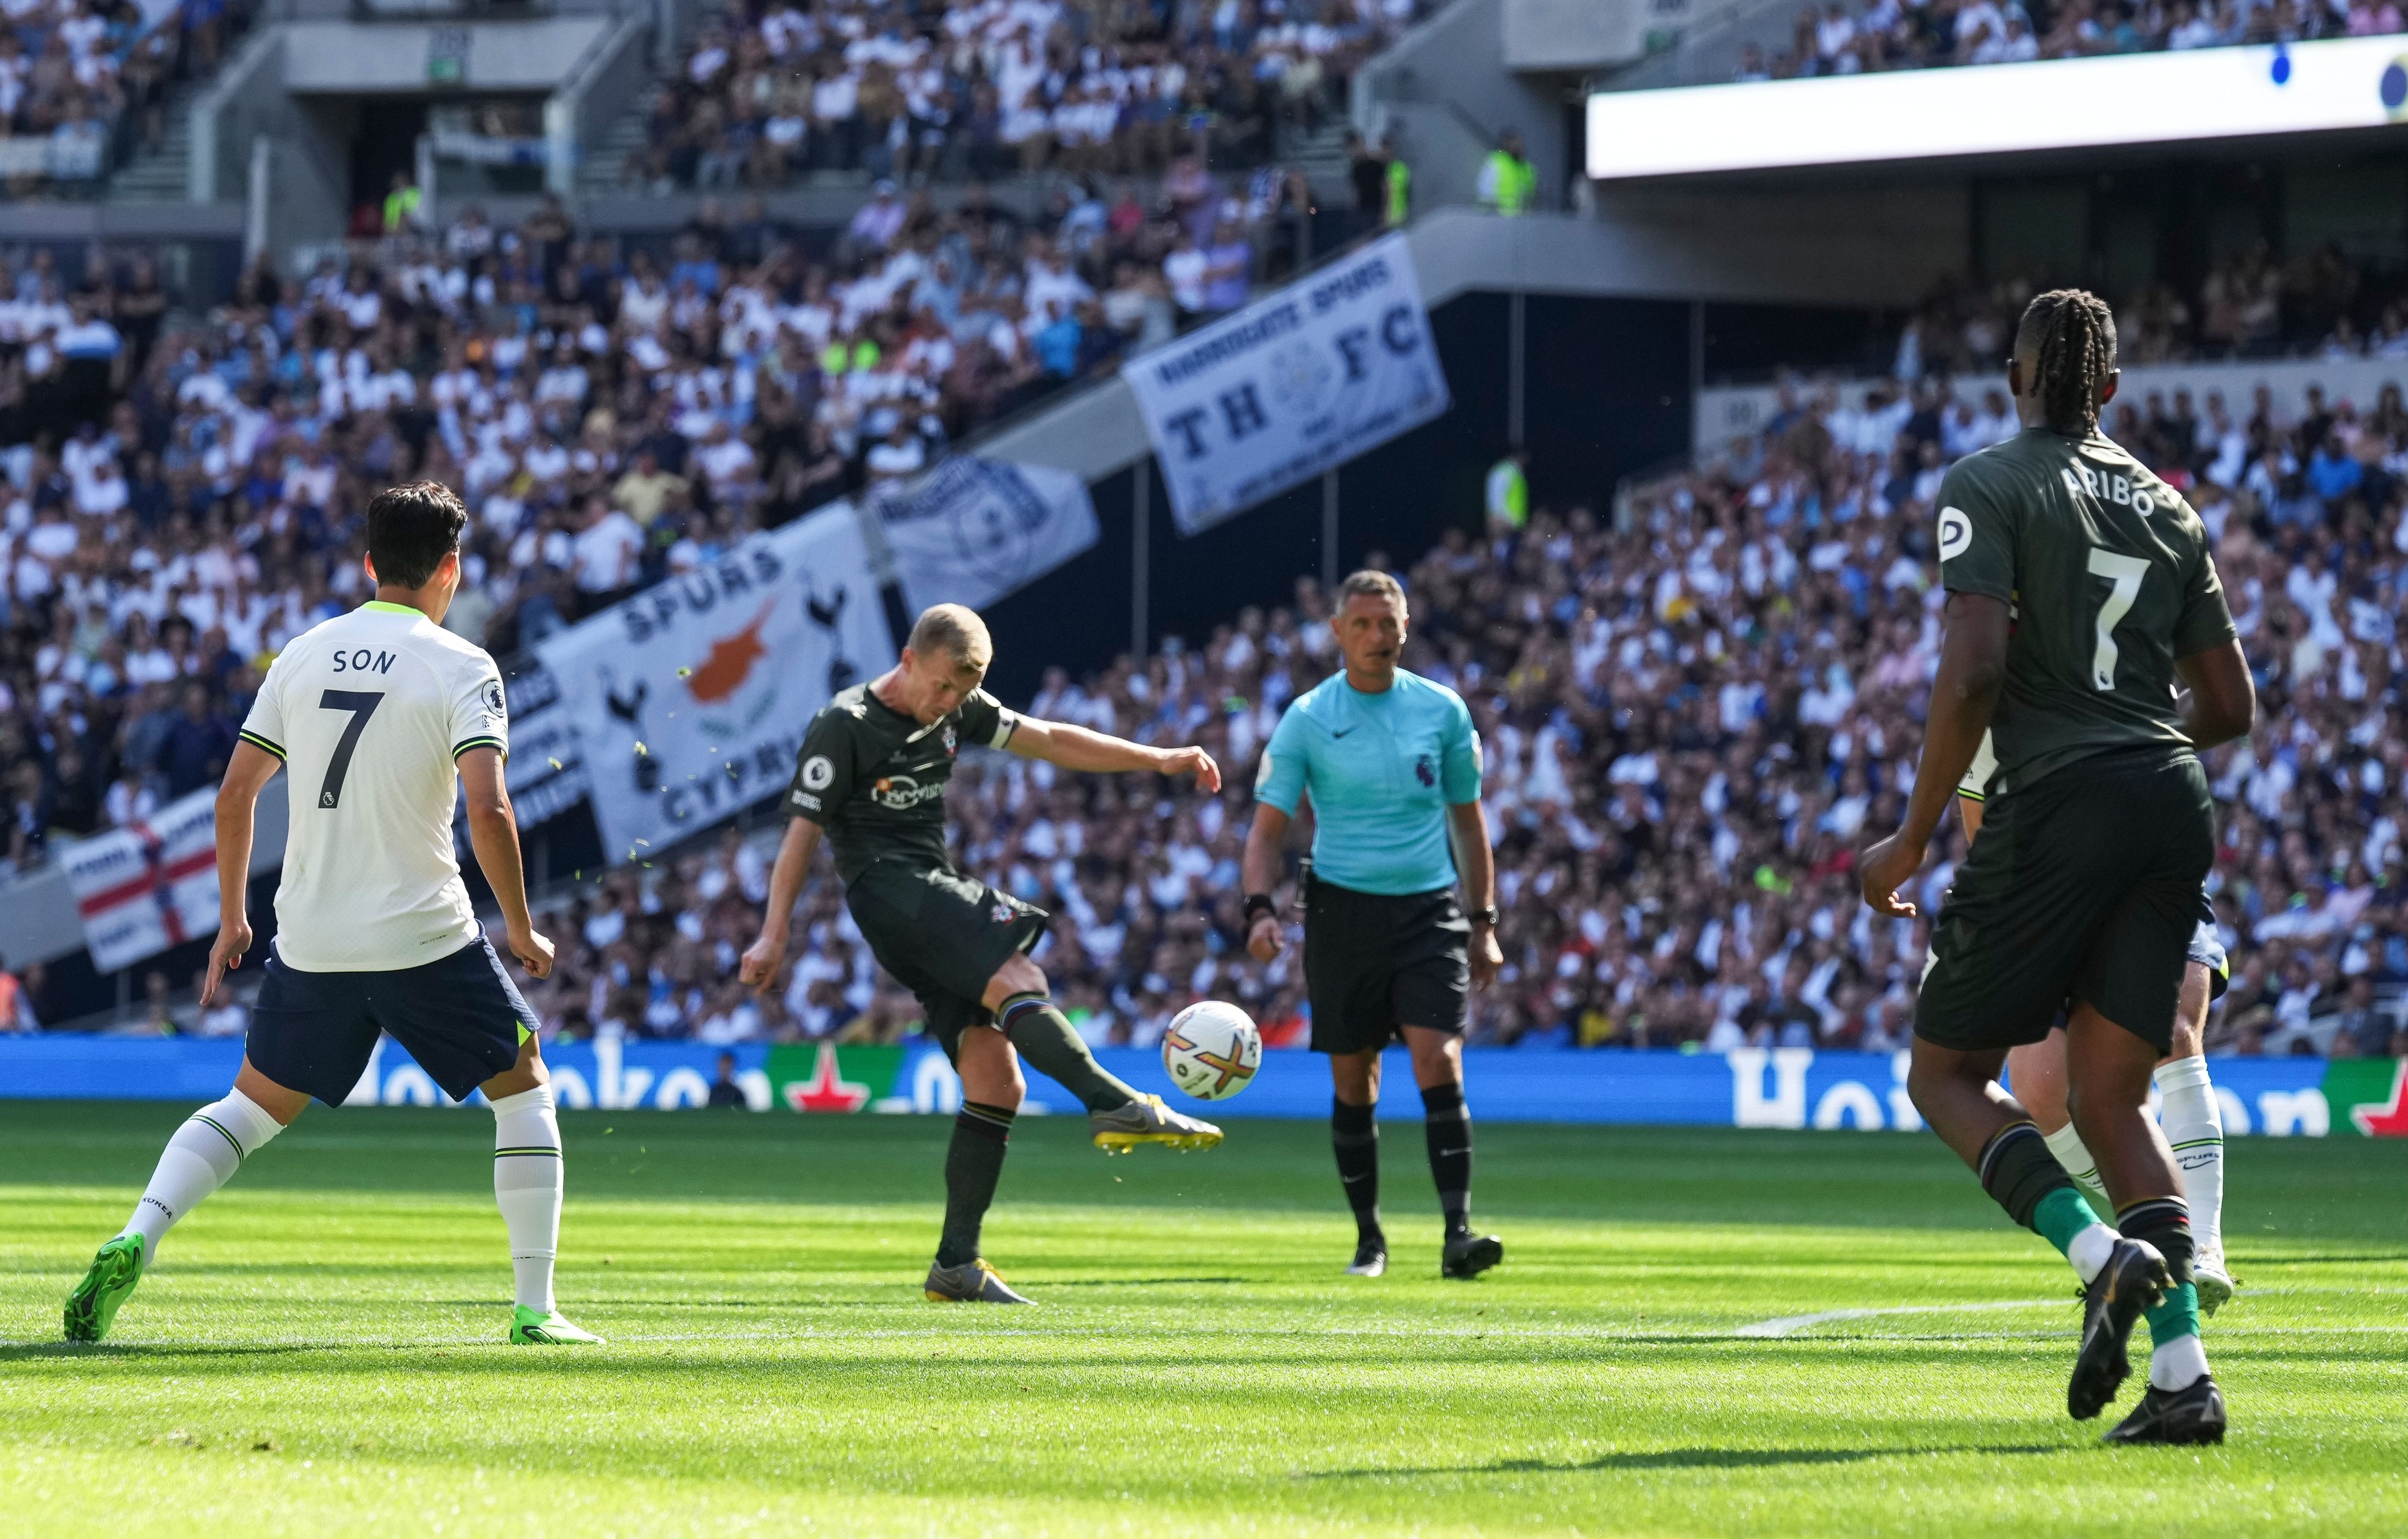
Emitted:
pixel 145 888
pixel 973 530
pixel 689 700
pixel 1302 381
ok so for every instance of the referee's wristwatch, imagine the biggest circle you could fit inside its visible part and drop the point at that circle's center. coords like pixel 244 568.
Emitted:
pixel 1259 906
pixel 1483 918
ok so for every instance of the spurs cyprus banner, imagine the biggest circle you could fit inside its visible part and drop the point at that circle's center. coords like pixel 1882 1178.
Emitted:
pixel 689 700
pixel 1298 382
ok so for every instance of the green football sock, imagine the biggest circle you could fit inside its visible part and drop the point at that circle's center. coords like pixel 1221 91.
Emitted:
pixel 1046 1038
pixel 2176 1315
pixel 2061 1217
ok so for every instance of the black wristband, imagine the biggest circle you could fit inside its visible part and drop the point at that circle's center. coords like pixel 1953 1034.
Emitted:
pixel 1259 905
pixel 1485 916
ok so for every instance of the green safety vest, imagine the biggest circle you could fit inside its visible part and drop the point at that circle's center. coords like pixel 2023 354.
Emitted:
pixel 1517 181
pixel 1401 185
pixel 399 204
pixel 1516 511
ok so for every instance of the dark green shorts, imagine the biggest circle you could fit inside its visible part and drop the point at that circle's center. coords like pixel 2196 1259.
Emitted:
pixel 2085 887
pixel 941 935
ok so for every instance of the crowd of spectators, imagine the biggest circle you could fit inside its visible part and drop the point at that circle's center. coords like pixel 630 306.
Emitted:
pixel 81 81
pixel 177 503
pixel 2319 305
pixel 773 90
pixel 1694 714
pixel 1695 704
pixel 1845 39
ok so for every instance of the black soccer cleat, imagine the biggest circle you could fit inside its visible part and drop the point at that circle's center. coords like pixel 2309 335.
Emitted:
pixel 2193 1414
pixel 1469 1255
pixel 1370 1259
pixel 2133 1279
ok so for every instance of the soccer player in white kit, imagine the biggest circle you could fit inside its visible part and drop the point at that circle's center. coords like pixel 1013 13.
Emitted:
pixel 378 717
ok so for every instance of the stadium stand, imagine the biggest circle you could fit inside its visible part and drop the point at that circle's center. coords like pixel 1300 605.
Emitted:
pixel 85 84
pixel 770 92
pixel 1711 685
pixel 1839 39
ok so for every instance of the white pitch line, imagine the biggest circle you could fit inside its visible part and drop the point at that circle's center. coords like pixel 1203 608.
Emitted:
pixel 1791 1324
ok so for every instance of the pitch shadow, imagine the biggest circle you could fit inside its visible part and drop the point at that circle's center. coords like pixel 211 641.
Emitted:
pixel 1684 1459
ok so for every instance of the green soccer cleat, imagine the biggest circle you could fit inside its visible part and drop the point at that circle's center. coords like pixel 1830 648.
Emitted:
pixel 1147 1120
pixel 547 1327
pixel 972 1282
pixel 92 1308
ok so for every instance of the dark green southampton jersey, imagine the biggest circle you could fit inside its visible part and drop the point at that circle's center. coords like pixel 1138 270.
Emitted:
pixel 875 778
pixel 2109 574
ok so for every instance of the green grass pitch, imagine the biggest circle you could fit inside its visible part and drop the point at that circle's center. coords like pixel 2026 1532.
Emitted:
pixel 319 1351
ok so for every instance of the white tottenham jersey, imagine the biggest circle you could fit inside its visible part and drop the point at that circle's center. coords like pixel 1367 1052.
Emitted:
pixel 370 712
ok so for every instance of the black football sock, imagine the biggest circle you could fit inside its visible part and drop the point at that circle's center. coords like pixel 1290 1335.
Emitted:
pixel 1355 1134
pixel 1448 1128
pixel 972 1165
pixel 1046 1038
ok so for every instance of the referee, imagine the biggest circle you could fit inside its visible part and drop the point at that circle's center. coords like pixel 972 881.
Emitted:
pixel 1391 765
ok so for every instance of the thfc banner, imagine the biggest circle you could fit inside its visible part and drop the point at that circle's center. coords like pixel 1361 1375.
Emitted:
pixel 1298 382
pixel 689 700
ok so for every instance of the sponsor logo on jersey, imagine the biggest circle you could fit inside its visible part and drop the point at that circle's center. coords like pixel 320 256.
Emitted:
pixel 805 800
pixel 901 792
pixel 1955 533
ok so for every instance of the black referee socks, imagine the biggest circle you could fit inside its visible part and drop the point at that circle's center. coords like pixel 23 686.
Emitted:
pixel 1448 1128
pixel 1355 1135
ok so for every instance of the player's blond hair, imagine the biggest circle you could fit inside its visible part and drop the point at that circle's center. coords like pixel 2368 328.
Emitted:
pixel 954 630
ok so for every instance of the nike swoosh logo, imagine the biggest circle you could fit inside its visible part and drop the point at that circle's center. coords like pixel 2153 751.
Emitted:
pixel 1334 733
pixel 1443 1153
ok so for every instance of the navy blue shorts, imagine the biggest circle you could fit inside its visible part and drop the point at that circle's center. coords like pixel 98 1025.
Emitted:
pixel 461 1018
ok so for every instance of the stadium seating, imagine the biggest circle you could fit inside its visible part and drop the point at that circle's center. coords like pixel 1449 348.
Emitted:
pixel 83 83
pixel 1838 39
pixel 772 91
pixel 1724 671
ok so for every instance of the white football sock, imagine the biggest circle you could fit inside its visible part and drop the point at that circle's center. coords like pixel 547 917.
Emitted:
pixel 2066 1144
pixel 2089 1250
pixel 202 1156
pixel 527 1183
pixel 2194 1125
pixel 2178 1364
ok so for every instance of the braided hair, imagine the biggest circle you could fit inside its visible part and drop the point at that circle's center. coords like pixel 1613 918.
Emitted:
pixel 2070 335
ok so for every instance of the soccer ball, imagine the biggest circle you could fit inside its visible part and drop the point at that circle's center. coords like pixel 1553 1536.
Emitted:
pixel 1211 1050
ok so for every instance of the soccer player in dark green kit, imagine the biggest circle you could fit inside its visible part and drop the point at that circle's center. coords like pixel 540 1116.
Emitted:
pixel 2080 591
pixel 871 775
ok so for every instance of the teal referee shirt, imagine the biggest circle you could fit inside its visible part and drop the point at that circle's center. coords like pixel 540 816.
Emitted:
pixel 1381 770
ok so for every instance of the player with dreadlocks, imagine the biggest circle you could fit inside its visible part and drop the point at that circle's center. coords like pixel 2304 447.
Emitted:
pixel 2080 589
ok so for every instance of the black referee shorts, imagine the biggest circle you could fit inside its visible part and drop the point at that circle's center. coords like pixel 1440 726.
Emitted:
pixel 1374 963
